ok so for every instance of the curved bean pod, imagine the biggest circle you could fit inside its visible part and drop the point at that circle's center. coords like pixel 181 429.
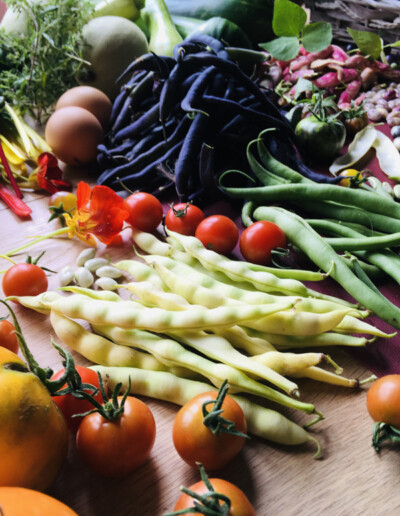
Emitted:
pixel 172 353
pixel 288 363
pixel 127 314
pixel 262 422
pixel 302 235
pixel 264 281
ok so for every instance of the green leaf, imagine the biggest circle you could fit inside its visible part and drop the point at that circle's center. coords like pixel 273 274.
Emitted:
pixel 369 43
pixel 302 86
pixel 283 48
pixel 317 36
pixel 289 19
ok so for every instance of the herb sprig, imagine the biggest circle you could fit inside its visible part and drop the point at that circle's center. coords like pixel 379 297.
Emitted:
pixel 38 66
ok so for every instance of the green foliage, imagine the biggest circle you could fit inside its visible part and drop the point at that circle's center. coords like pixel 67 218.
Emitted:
pixel 289 19
pixel 37 67
pixel 369 43
pixel 289 23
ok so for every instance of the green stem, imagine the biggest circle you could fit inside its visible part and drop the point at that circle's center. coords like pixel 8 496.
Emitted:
pixel 60 231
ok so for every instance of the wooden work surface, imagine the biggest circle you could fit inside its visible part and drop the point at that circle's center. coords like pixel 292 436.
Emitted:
pixel 352 479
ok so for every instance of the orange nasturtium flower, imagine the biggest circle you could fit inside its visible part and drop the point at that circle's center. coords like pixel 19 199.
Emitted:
pixel 99 215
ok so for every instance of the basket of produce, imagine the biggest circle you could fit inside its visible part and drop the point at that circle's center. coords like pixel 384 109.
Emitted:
pixel 200 233
pixel 379 16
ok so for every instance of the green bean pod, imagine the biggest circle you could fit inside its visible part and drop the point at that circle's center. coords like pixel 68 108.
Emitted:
pixel 261 422
pixel 302 235
pixel 334 193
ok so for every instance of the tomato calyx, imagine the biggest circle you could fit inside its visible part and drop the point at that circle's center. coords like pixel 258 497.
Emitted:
pixel 34 261
pixel 58 212
pixel 70 376
pixel 180 212
pixel 208 503
pixel 213 419
pixel 383 432
pixel 112 409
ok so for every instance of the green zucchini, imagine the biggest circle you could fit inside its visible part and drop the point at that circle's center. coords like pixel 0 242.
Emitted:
pixel 220 28
pixel 254 17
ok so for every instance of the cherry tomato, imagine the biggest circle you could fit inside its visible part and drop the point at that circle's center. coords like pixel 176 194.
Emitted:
pixel 24 279
pixel 145 211
pixel 184 218
pixel 116 448
pixel 240 505
pixel 8 339
pixel 351 177
pixel 258 240
pixel 195 442
pixel 383 400
pixel 218 233
pixel 69 404
pixel 67 199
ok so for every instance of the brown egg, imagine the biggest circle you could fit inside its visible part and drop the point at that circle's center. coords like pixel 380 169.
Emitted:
pixel 74 133
pixel 88 98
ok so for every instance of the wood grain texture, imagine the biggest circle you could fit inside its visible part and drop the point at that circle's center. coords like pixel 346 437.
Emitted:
pixel 279 480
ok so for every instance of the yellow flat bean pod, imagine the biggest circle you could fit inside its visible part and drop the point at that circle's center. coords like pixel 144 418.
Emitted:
pixel 261 422
pixel 322 339
pixel 139 271
pixel 129 314
pixel 322 375
pixel 264 281
pixel 179 276
pixel 218 348
pixel 102 351
pixel 351 325
pixel 239 338
pixel 171 353
pixel 151 294
pixel 150 243
pixel 298 323
pixel 288 363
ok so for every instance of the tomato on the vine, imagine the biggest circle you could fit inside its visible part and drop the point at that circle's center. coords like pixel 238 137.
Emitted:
pixel 196 442
pixel 240 504
pixel 70 404
pixel 116 448
pixel 145 211
pixel 383 400
pixel 218 233
pixel 8 338
pixel 259 240
pixel 184 218
pixel 24 279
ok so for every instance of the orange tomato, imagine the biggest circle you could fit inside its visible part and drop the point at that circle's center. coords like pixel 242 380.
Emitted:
pixel 19 501
pixel 240 505
pixel 33 432
pixel 383 400
pixel 348 175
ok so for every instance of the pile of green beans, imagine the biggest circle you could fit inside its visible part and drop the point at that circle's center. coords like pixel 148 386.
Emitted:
pixel 347 232
pixel 192 320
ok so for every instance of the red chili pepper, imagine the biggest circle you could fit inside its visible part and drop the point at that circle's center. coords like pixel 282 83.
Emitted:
pixel 9 173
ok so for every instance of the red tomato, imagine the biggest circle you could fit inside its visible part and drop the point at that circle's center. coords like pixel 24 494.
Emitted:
pixel 145 211
pixel 116 448
pixel 24 279
pixel 258 240
pixel 383 400
pixel 69 404
pixel 195 442
pixel 240 505
pixel 218 233
pixel 8 339
pixel 184 218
